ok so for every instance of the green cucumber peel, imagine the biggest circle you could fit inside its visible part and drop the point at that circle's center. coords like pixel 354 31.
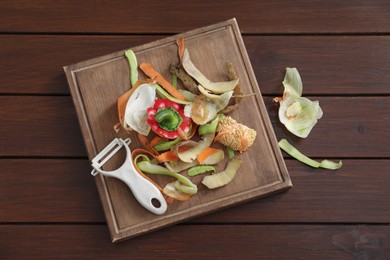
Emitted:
pixel 200 169
pixel 210 127
pixel 230 152
pixel 291 150
pixel 132 59
pixel 148 167
pixel 166 145
pixel 163 93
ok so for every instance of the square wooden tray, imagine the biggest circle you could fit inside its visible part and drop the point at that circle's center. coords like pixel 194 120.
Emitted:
pixel 96 85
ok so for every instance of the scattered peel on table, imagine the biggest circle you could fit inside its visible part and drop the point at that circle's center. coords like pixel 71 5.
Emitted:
pixel 297 113
pixel 291 150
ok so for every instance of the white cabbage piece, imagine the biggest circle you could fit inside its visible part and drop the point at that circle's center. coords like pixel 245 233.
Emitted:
pixel 136 108
pixel 297 113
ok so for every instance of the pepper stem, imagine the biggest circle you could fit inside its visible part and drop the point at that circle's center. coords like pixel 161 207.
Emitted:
pixel 168 119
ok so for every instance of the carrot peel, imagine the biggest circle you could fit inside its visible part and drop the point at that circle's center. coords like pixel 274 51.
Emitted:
pixel 210 156
pixel 148 69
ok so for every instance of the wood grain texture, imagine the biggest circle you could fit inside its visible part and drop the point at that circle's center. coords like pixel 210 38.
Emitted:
pixel 348 65
pixel 199 241
pixel 350 127
pixel 356 193
pixel 330 65
pixel 39 126
pixel 178 16
pixel 336 193
pixel 48 190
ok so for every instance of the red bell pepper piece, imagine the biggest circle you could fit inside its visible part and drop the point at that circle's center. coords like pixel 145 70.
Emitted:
pixel 166 118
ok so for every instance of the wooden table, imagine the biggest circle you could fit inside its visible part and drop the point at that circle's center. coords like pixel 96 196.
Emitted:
pixel 49 205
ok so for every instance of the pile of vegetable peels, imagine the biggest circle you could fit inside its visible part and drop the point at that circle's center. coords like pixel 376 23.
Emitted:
pixel 178 126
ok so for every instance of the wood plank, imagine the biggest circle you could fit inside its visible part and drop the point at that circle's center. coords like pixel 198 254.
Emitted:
pixel 357 193
pixel 47 126
pixel 349 127
pixel 48 191
pixel 199 241
pixel 36 67
pixel 158 17
pixel 345 65
pixel 39 126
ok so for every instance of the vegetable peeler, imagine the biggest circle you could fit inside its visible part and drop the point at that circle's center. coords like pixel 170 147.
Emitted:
pixel 146 193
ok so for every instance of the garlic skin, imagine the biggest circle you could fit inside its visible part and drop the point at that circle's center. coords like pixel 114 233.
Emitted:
pixel 297 113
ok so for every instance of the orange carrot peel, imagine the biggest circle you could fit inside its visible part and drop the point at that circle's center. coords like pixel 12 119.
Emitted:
pixel 148 69
pixel 180 45
pixel 210 155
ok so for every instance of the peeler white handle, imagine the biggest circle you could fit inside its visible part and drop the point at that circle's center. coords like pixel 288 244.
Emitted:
pixel 146 193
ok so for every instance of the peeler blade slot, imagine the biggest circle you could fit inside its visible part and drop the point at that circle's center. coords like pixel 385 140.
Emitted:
pixel 107 153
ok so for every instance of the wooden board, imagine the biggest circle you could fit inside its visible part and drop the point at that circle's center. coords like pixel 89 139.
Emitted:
pixel 95 86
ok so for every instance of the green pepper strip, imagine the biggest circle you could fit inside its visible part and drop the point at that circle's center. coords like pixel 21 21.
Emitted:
pixel 166 95
pixel 200 169
pixel 185 185
pixel 291 150
pixel 209 128
pixel 133 66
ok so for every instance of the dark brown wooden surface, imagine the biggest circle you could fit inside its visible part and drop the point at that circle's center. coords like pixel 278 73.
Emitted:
pixel 49 206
